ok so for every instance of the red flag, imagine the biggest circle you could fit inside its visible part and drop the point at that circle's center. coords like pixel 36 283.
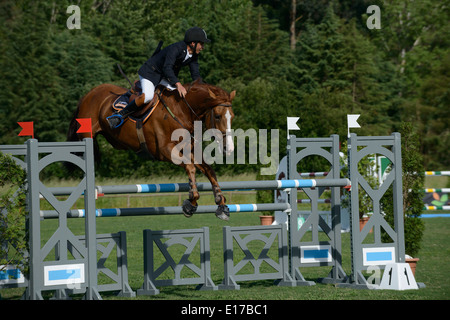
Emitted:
pixel 85 126
pixel 27 129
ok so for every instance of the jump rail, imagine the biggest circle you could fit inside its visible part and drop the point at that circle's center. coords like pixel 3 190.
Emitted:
pixel 180 187
pixel 206 186
pixel 153 211
pixel 437 173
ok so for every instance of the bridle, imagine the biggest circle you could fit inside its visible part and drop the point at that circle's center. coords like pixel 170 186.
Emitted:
pixel 228 105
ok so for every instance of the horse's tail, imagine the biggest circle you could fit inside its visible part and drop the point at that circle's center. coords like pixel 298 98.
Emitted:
pixel 73 127
pixel 73 136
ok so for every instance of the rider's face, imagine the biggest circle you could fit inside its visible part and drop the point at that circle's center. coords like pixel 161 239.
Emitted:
pixel 198 49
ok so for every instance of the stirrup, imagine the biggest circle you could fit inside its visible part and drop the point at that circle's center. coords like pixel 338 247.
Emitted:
pixel 116 115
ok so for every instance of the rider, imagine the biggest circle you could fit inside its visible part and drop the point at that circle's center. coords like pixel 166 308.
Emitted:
pixel 165 65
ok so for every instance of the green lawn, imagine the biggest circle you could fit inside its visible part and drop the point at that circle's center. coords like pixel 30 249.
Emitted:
pixel 432 269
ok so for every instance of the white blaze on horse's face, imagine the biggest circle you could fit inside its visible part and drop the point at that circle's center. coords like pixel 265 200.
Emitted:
pixel 229 145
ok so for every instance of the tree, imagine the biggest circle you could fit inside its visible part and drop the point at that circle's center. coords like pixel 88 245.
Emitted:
pixel 435 118
pixel 293 20
pixel 413 184
pixel 121 30
pixel 81 65
pixel 13 237
pixel 30 87
pixel 417 45
pixel 246 45
pixel 394 74
pixel 339 73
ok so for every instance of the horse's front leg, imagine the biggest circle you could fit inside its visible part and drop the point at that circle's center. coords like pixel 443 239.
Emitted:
pixel 190 205
pixel 222 212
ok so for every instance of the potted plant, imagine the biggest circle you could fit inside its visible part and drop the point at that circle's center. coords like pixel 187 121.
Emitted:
pixel 265 196
pixel 413 185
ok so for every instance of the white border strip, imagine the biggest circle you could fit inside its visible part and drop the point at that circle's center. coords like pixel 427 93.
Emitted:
pixel 64 267
pixel 328 258
pixel 366 251
pixel 20 279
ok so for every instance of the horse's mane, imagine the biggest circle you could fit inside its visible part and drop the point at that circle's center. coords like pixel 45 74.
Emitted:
pixel 218 95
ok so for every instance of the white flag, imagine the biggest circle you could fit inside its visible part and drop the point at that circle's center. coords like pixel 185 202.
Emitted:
pixel 352 123
pixel 292 123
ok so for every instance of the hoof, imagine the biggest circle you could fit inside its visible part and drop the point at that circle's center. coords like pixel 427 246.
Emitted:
pixel 223 212
pixel 188 208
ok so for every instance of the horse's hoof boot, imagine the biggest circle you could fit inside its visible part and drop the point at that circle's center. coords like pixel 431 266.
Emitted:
pixel 188 208
pixel 223 212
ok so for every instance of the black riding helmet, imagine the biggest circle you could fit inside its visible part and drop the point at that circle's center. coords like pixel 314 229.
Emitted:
pixel 196 34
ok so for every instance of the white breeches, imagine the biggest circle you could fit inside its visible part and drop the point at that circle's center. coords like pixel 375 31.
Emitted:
pixel 148 88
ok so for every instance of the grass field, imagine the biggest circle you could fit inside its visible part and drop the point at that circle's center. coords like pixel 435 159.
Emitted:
pixel 432 270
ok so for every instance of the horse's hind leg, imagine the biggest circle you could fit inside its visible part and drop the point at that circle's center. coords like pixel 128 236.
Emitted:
pixel 190 205
pixel 222 212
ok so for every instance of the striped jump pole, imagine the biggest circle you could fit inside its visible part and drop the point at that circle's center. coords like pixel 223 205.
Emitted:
pixel 152 211
pixel 313 174
pixel 436 208
pixel 225 186
pixel 442 190
pixel 437 173
pixel 318 201
pixel 435 215
pixel 206 186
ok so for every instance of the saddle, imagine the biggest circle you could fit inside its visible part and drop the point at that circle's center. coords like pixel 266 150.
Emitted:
pixel 145 111
pixel 140 116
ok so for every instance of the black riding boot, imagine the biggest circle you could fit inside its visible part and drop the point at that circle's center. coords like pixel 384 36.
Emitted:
pixel 117 118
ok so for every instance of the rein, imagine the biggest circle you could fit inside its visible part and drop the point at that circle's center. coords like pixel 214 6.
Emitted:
pixel 172 114
pixel 228 105
pixel 189 106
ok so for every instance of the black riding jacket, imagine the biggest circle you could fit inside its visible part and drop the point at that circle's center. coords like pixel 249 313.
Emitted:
pixel 167 64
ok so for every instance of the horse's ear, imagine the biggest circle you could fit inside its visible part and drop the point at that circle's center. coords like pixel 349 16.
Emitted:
pixel 211 94
pixel 232 95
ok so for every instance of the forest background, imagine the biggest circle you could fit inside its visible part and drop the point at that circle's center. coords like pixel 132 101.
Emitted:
pixel 313 59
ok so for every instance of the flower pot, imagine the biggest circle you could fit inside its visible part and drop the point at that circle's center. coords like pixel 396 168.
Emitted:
pixel 266 220
pixel 362 222
pixel 412 263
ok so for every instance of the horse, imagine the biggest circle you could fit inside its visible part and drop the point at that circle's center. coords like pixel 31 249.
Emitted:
pixel 203 102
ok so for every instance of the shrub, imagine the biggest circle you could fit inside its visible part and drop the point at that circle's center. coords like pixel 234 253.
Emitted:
pixel 13 236
pixel 413 185
pixel 265 196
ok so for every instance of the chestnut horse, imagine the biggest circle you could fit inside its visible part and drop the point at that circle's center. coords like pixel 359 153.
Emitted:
pixel 203 102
